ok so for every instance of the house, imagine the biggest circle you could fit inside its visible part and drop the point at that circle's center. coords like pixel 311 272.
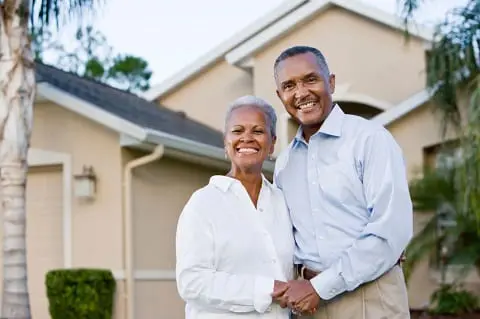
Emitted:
pixel 379 75
pixel 144 162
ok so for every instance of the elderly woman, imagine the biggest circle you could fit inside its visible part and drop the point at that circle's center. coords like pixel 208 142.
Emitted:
pixel 234 236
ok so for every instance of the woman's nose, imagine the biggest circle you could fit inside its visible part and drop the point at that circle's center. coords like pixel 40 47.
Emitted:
pixel 246 137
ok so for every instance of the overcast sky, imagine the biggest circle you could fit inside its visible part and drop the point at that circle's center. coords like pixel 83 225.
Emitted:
pixel 172 33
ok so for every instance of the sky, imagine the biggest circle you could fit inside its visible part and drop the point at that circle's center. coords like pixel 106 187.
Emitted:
pixel 170 34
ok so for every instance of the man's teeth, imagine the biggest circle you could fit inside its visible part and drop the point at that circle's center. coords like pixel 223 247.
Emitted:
pixel 247 150
pixel 306 105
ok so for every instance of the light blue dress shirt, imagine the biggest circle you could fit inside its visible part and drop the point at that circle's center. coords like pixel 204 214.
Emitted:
pixel 349 201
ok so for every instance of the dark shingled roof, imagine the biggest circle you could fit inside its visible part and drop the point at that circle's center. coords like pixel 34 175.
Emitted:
pixel 129 106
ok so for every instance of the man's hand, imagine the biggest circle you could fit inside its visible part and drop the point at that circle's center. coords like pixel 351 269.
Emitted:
pixel 301 296
pixel 278 294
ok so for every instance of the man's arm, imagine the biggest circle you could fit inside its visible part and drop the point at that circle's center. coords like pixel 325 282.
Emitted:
pixel 390 227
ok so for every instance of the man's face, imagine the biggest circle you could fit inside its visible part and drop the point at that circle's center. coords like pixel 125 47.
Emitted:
pixel 305 89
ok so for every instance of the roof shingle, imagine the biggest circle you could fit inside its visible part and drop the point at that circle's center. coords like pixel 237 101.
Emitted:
pixel 129 106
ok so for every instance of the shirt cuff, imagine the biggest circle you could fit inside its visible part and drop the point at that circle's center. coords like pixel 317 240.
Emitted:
pixel 328 284
pixel 263 290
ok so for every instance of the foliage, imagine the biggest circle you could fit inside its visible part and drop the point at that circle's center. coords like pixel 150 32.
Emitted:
pixel 453 70
pixel 43 13
pixel 80 293
pixel 453 228
pixel 131 72
pixel 93 58
pixel 449 300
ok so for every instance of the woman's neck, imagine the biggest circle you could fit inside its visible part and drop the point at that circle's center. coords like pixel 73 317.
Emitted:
pixel 251 180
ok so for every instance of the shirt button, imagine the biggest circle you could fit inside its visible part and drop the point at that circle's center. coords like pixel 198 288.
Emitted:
pixel 261 209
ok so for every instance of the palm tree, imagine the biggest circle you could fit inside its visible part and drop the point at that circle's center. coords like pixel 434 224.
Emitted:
pixel 17 93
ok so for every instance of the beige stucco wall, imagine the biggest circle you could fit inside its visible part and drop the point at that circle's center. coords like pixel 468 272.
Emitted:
pixel 206 96
pixel 97 226
pixel 160 191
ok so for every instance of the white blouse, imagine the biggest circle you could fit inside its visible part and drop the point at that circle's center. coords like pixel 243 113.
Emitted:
pixel 229 253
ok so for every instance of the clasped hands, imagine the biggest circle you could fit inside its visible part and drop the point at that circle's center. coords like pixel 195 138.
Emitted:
pixel 298 295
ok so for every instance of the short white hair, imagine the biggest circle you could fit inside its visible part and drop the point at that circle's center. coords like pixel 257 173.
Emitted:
pixel 258 103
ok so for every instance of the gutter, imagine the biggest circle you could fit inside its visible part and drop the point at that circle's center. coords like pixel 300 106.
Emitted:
pixel 192 147
pixel 128 225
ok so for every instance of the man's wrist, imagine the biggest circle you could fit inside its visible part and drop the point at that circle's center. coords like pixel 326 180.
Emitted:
pixel 328 284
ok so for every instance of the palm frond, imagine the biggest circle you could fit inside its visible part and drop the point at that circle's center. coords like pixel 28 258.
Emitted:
pixel 46 12
pixel 453 59
pixel 434 189
pixel 421 245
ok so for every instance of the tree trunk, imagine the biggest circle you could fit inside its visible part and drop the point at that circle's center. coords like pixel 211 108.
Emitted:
pixel 17 92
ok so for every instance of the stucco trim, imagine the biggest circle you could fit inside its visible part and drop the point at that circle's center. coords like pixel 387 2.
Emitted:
pixel 274 31
pixel 361 98
pixel 218 52
pixel 39 157
pixel 147 275
pixel 403 108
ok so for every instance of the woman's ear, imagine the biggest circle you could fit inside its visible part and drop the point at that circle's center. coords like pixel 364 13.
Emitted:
pixel 272 148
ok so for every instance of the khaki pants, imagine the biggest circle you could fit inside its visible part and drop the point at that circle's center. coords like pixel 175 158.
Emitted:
pixel 384 298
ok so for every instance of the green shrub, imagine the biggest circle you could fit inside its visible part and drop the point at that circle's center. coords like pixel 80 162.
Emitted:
pixel 452 300
pixel 80 293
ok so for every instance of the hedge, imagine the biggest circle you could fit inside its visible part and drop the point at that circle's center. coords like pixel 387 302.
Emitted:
pixel 80 293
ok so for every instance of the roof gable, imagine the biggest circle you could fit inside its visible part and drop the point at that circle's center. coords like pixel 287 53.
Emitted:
pixel 262 32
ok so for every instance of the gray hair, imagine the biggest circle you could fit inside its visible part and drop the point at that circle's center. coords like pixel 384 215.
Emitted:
pixel 302 49
pixel 258 103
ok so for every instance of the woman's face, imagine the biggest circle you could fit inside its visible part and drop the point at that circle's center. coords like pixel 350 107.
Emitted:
pixel 248 140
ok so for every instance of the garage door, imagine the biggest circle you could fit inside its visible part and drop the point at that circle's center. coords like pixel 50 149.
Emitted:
pixel 44 232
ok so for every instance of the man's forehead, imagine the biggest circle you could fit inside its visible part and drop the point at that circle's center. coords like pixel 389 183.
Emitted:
pixel 297 64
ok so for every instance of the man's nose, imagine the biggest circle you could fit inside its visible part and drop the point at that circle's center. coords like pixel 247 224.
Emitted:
pixel 301 91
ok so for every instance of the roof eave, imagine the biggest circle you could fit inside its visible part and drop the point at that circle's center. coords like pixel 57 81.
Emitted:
pixel 219 52
pixel 186 150
pixel 262 39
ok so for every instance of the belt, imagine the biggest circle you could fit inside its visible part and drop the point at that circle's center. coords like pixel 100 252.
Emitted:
pixel 308 274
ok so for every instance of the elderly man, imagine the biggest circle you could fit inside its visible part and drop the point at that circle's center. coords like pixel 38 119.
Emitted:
pixel 345 184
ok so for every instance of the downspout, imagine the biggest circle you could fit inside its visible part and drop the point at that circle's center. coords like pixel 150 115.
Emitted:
pixel 128 226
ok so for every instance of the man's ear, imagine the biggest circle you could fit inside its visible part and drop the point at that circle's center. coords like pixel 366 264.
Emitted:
pixel 331 82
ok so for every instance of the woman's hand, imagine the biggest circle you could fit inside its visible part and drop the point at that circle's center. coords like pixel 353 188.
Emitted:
pixel 279 289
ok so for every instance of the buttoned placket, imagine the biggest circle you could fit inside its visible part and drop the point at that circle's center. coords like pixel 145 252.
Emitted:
pixel 314 189
pixel 254 214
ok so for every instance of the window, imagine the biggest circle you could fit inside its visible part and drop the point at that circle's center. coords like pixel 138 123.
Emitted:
pixel 443 156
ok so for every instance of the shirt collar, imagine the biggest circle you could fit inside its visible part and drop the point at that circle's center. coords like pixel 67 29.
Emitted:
pixel 225 182
pixel 331 126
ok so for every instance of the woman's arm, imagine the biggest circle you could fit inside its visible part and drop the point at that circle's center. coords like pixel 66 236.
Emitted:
pixel 198 281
